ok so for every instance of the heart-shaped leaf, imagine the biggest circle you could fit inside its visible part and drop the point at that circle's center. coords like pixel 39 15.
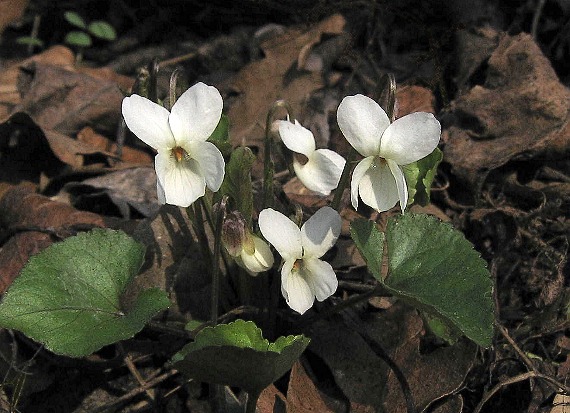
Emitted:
pixel 68 297
pixel 433 267
pixel 236 354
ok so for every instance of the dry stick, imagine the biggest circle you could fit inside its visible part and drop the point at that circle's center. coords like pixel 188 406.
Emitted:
pixel 516 379
pixel 135 392
pixel 133 369
pixel 556 384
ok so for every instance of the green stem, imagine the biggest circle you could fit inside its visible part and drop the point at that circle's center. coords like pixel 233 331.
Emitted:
pixel 251 403
pixel 268 166
pixel 216 262
pixel 343 182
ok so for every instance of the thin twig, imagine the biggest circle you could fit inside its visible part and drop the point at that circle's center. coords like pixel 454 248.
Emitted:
pixel 135 392
pixel 517 379
pixel 134 371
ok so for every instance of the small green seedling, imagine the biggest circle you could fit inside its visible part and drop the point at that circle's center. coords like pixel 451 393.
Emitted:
pixel 82 38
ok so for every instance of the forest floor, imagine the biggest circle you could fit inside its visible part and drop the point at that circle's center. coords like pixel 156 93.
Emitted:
pixel 496 75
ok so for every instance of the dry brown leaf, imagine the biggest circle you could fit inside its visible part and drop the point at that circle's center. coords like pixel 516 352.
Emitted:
pixel 364 377
pixel 268 398
pixel 10 11
pixel 521 112
pixel 303 395
pixel 65 101
pixel 35 218
pixel 174 263
pixel 10 96
pixel 412 98
pixel 262 82
pixel 99 142
pixel 430 376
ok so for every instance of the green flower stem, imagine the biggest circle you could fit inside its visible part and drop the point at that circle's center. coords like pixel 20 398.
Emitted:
pixel 268 166
pixel 343 182
pixel 216 262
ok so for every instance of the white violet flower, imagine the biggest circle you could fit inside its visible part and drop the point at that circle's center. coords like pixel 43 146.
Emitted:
pixel 319 169
pixel 185 163
pixel 378 178
pixel 255 258
pixel 303 275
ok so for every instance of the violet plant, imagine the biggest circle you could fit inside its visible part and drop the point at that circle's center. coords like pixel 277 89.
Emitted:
pixel 64 299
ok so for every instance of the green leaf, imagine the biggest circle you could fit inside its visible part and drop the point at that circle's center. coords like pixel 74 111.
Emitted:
pixel 433 267
pixel 419 177
pixel 221 136
pixel 370 242
pixel 237 182
pixel 75 19
pixel 236 354
pixel 68 297
pixel 29 40
pixel 102 30
pixel 79 39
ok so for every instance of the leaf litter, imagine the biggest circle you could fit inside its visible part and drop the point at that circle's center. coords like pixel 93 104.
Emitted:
pixel 504 182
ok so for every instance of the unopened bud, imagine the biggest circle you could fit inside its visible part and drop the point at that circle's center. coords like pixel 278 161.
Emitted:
pixel 235 233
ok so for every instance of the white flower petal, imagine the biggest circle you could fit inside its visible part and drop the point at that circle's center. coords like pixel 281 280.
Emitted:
pixel 321 278
pixel 400 183
pixel 322 172
pixel 410 138
pixel 362 122
pixel 160 193
pixel 320 232
pixel 378 188
pixel 296 290
pixel 260 260
pixel 182 181
pixel 357 175
pixel 196 114
pixel 282 233
pixel 148 121
pixel 297 138
pixel 211 162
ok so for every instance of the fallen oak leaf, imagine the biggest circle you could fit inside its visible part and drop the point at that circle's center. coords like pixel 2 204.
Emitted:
pixel 65 101
pixel 31 221
pixel 270 83
pixel 10 96
pixel 484 129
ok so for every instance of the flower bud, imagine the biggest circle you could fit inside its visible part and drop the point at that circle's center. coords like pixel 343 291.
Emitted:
pixel 235 234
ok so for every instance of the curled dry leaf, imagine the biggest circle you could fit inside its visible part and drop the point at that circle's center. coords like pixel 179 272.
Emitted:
pixel 66 101
pixel 35 221
pixel 365 378
pixel 261 83
pixel 520 112
pixel 10 95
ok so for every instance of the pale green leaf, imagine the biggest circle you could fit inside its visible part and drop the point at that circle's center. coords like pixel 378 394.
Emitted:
pixel 68 297
pixel 79 39
pixel 102 30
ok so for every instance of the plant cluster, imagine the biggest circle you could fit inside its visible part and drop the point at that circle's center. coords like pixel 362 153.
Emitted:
pixel 69 297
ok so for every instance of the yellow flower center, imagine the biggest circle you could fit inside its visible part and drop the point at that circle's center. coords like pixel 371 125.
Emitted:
pixel 179 153
pixel 378 162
